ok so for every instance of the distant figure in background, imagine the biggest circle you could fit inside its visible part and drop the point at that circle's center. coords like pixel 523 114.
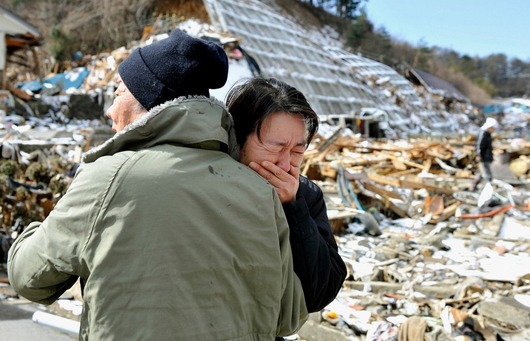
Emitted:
pixel 484 151
pixel 274 124
pixel 233 51
pixel 252 63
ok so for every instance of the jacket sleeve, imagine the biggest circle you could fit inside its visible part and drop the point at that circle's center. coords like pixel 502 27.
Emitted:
pixel 316 259
pixel 44 261
pixel 293 311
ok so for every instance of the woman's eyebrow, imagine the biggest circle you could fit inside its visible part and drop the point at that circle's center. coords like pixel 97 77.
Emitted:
pixel 284 143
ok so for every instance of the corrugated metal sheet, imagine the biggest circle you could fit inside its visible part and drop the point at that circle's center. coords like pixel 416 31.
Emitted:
pixel 283 50
pixel 336 82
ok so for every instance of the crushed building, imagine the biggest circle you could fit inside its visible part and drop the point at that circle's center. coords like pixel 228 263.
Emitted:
pixel 15 34
pixel 337 83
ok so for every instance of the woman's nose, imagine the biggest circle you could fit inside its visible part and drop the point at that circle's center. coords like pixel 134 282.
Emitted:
pixel 284 161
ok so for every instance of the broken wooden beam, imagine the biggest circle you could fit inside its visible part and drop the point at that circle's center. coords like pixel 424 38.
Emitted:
pixel 444 291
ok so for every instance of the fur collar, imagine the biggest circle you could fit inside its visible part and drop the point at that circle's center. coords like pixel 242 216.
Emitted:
pixel 233 149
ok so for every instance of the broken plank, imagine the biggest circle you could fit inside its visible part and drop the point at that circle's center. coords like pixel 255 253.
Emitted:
pixel 399 165
pixel 396 209
pixel 383 199
pixel 420 184
pixel 413 171
pixel 386 180
pixel 447 212
pixel 381 191
pixel 405 162
pixel 440 291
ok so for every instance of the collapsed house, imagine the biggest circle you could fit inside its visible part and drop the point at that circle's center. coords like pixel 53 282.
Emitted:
pixel 16 35
pixel 338 84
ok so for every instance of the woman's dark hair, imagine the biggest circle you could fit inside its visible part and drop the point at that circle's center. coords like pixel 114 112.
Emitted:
pixel 253 100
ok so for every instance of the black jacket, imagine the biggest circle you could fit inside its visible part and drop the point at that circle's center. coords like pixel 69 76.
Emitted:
pixel 484 146
pixel 315 254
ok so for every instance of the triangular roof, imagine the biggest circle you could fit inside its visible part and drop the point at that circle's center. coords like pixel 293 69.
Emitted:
pixel 287 51
pixel 12 24
pixel 335 82
pixel 436 85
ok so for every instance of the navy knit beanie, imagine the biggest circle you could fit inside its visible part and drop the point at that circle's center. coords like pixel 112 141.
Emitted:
pixel 179 65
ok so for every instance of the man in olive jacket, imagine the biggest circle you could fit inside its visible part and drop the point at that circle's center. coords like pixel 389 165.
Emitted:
pixel 172 238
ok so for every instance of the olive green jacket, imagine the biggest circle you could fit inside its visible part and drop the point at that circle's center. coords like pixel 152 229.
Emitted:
pixel 172 238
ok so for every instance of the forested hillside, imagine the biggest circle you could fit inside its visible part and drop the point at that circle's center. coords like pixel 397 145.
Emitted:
pixel 92 26
pixel 496 74
pixel 478 78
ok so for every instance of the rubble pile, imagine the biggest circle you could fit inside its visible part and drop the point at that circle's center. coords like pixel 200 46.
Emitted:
pixel 424 254
pixel 420 248
pixel 32 180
